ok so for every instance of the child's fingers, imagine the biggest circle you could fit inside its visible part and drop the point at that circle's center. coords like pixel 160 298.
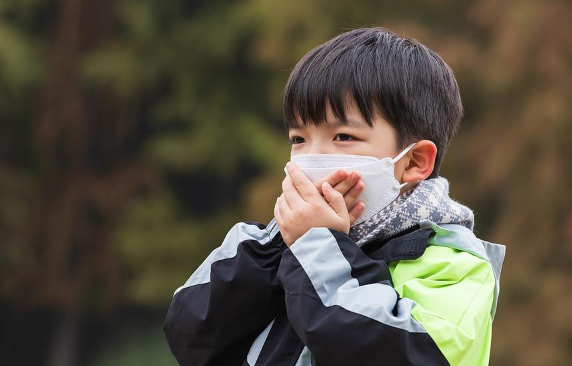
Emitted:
pixel 333 178
pixel 304 186
pixel 279 208
pixel 356 211
pixel 284 204
pixel 277 214
pixel 335 199
pixel 352 196
pixel 345 185
pixel 290 193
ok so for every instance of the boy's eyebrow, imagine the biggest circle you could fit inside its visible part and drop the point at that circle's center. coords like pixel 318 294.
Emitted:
pixel 337 123
pixel 348 122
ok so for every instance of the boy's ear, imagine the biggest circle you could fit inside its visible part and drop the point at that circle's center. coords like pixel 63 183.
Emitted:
pixel 421 161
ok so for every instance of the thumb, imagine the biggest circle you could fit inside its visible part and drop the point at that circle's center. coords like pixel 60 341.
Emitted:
pixel 335 200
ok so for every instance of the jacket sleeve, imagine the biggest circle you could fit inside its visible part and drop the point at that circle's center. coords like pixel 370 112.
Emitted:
pixel 216 315
pixel 343 305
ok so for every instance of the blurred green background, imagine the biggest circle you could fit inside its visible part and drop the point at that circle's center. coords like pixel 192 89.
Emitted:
pixel 133 134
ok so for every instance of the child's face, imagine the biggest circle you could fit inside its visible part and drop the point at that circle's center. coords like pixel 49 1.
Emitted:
pixel 354 138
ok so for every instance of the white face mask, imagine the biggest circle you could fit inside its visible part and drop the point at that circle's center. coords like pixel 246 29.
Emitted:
pixel 381 187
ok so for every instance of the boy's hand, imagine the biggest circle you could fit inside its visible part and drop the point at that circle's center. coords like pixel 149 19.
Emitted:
pixel 348 184
pixel 302 207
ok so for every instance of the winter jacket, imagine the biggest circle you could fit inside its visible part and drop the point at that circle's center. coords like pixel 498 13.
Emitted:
pixel 424 297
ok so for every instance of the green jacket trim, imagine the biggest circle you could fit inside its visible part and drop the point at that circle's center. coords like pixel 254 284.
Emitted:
pixel 455 286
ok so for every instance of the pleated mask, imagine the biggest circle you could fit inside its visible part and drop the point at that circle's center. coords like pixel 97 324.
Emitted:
pixel 381 187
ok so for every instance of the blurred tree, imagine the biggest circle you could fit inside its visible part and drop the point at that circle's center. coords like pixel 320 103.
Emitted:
pixel 73 163
pixel 213 132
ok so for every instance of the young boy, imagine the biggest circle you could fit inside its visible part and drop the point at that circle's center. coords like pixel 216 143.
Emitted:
pixel 368 261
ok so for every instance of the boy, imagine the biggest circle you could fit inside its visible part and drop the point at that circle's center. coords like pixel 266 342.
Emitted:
pixel 397 278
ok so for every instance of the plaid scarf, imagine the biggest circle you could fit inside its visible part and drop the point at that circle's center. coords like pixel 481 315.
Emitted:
pixel 429 200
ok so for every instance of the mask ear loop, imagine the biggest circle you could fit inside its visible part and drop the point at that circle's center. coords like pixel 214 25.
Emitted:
pixel 402 185
pixel 401 154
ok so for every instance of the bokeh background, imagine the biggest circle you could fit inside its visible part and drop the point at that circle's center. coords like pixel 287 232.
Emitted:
pixel 133 134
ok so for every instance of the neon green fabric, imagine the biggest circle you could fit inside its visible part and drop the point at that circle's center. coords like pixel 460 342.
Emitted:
pixel 454 291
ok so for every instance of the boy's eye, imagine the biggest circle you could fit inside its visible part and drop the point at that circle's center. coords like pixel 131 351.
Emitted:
pixel 296 140
pixel 343 137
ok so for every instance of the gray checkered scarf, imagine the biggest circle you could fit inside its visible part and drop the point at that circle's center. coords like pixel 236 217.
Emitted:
pixel 429 200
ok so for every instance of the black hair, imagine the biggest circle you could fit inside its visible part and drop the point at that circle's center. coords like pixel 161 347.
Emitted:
pixel 400 79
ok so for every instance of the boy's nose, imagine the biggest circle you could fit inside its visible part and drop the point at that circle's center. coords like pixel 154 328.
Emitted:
pixel 320 149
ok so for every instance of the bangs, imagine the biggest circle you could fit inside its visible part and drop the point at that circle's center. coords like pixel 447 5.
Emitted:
pixel 334 76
